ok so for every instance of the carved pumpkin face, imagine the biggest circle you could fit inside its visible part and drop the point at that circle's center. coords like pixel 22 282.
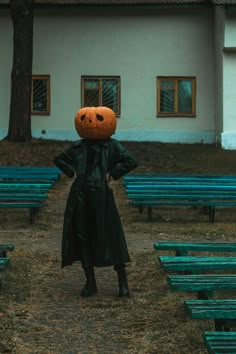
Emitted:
pixel 95 123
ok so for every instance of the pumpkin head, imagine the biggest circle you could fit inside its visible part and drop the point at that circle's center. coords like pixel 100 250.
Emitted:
pixel 95 123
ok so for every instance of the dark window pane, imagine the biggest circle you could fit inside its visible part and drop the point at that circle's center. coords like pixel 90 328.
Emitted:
pixel 110 94
pixel 185 96
pixel 91 98
pixel 167 84
pixel 91 84
pixel 167 101
pixel 39 95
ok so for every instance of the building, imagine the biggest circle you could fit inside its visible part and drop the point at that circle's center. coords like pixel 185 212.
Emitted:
pixel 166 67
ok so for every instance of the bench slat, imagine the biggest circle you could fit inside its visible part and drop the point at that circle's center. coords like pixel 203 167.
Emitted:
pixel 185 187
pixel 20 204
pixel 220 342
pixel 22 196
pixel 4 262
pixel 202 309
pixel 203 280
pixel 148 176
pixel 182 203
pixel 183 247
pixel 24 186
pixel 7 247
pixel 196 263
pixel 26 176
pixel 30 168
pixel 4 248
pixel 202 284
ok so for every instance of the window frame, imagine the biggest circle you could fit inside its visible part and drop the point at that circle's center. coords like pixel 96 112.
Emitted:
pixel 48 111
pixel 175 79
pixel 100 78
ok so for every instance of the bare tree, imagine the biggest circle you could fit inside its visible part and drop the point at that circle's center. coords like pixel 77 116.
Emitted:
pixel 21 77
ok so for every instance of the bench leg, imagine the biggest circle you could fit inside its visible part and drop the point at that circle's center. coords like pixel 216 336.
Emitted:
pixel 140 209
pixel 149 213
pixel 181 253
pixel 202 295
pixel 33 212
pixel 211 214
pixel 221 325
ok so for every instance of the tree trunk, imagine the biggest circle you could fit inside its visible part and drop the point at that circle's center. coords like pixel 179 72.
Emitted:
pixel 21 77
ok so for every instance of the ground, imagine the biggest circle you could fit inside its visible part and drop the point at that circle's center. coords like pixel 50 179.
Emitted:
pixel 40 307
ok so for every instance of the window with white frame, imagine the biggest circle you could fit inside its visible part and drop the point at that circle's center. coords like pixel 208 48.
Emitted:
pixel 101 91
pixel 176 96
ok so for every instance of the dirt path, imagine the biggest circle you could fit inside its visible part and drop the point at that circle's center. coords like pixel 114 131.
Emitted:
pixel 40 307
pixel 55 319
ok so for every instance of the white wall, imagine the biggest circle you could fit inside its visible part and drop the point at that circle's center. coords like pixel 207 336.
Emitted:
pixel 136 46
pixel 219 31
pixel 229 75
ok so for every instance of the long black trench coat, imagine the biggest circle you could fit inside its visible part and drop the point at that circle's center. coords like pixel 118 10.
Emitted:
pixel 91 212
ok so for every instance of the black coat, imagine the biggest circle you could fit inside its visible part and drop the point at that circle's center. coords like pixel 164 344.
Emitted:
pixel 91 214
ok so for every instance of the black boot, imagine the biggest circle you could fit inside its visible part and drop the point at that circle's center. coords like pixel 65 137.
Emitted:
pixel 122 280
pixel 90 287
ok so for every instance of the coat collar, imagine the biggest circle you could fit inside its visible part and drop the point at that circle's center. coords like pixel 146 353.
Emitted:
pixel 96 146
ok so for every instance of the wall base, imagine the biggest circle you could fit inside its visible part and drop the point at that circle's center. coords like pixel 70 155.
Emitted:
pixel 184 137
pixel 228 140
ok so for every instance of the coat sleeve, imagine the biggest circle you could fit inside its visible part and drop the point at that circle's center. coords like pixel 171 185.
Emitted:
pixel 65 163
pixel 124 162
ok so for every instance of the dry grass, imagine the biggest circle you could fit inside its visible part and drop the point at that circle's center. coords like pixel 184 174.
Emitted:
pixel 40 307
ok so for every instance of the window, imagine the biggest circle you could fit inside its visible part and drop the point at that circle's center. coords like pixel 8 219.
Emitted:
pixel 176 96
pixel 40 95
pixel 101 91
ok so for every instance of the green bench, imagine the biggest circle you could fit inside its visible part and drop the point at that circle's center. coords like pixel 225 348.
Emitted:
pixel 182 248
pixel 27 196
pixel 24 187
pixel 177 178
pixel 30 168
pixel 204 285
pixel 31 201
pixel 29 173
pixel 4 262
pixel 222 311
pixel 151 190
pixel 22 194
pixel 4 248
pixel 32 206
pixel 220 342
pixel 168 194
pixel 195 264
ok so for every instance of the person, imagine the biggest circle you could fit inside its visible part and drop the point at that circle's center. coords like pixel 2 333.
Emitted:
pixel 92 229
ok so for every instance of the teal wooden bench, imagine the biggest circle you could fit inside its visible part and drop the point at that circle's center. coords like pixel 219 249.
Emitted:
pixel 195 264
pixel 31 168
pixel 178 178
pixel 31 201
pixel 4 262
pixel 29 173
pixel 28 196
pixel 167 194
pixel 32 206
pixel 223 312
pixel 28 176
pixel 204 285
pixel 182 248
pixel 4 248
pixel 150 190
pixel 24 187
pixel 220 342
